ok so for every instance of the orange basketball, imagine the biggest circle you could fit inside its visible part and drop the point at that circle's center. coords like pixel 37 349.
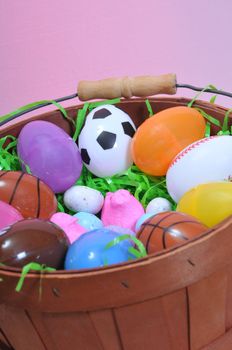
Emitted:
pixel 169 229
pixel 161 137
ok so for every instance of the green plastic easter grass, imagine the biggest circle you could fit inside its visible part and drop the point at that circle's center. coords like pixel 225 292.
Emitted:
pixel 35 104
pixel 33 267
pixel 138 253
pixel 213 99
pixel 225 129
pixel 190 104
pixel 149 108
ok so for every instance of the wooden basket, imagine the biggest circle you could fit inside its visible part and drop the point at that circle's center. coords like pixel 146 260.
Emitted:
pixel 177 300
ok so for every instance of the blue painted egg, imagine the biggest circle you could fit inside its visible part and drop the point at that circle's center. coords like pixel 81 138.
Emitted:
pixel 88 221
pixel 142 219
pixel 89 251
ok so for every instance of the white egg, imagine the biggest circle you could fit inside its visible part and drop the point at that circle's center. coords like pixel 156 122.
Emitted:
pixel 158 205
pixel 83 198
pixel 206 160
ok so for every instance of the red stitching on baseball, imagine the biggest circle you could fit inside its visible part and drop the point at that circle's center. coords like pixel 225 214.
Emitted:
pixel 186 150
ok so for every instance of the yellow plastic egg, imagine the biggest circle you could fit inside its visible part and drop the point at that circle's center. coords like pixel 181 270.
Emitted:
pixel 210 203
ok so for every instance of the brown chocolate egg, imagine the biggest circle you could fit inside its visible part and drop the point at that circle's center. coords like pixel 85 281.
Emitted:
pixel 28 194
pixel 168 229
pixel 33 241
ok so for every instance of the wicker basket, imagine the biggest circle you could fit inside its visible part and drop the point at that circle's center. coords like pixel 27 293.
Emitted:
pixel 177 300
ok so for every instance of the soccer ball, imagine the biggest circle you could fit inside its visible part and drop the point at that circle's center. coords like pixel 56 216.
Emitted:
pixel 105 141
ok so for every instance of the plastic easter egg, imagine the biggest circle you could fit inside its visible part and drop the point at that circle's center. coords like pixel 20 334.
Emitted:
pixel 121 209
pixel 210 203
pixel 33 241
pixel 8 215
pixel 69 225
pixel 207 160
pixel 83 198
pixel 142 219
pixel 28 194
pixel 89 250
pixel 88 221
pixel 50 153
pixel 169 229
pixel 105 141
pixel 121 230
pixel 161 137
pixel 158 205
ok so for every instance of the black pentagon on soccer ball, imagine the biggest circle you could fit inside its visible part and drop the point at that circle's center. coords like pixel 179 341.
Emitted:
pixel 106 140
pixel 85 156
pixel 128 129
pixel 101 113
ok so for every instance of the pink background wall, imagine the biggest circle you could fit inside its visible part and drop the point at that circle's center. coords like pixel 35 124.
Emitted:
pixel 47 46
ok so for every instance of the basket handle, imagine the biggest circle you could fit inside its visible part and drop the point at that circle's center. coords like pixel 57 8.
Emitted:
pixel 127 87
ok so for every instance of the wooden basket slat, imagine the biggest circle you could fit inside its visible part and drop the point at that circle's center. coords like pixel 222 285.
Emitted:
pixel 72 331
pixel 222 343
pixel 176 318
pixel 207 301
pixel 156 324
pixel 106 327
pixel 4 342
pixel 142 326
pixel 41 329
pixel 228 305
pixel 18 328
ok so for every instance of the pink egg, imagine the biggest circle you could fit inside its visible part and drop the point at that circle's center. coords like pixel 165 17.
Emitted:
pixel 8 215
pixel 69 225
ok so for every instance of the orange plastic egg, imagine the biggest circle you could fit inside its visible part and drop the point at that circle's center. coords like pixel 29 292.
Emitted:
pixel 161 137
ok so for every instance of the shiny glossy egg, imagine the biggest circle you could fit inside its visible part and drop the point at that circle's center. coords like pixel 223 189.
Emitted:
pixel 33 241
pixel 50 153
pixel 28 194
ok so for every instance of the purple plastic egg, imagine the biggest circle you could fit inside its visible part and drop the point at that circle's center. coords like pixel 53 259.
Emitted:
pixel 50 153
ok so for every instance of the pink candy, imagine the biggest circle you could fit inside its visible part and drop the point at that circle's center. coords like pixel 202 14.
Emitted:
pixel 69 224
pixel 122 209
pixel 8 215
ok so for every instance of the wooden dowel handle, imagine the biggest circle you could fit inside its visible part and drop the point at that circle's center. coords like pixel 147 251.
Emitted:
pixel 127 87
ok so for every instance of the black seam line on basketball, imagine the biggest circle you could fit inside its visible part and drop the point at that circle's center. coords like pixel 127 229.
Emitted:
pixel 152 231
pixel 38 194
pixel 174 248
pixel 16 186
pixel 180 235
pixel 168 229
pixel 178 222
pixel 4 173
pixel 147 223
pixel 154 227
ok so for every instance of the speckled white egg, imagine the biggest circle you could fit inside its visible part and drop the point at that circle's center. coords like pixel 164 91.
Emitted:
pixel 158 205
pixel 83 198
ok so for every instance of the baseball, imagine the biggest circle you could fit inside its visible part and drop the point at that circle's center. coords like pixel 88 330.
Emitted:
pixel 206 160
